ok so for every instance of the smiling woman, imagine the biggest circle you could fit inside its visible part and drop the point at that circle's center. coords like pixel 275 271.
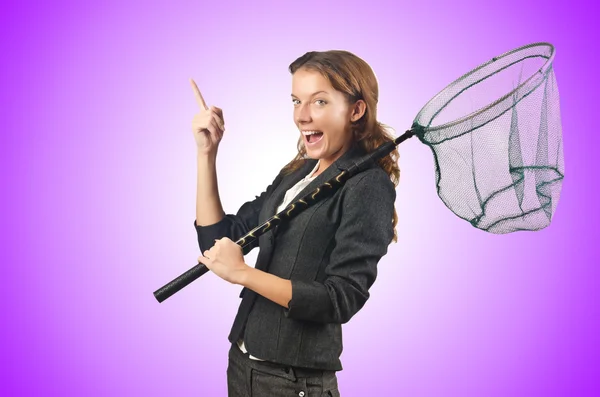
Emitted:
pixel 323 115
pixel 313 273
pixel 335 95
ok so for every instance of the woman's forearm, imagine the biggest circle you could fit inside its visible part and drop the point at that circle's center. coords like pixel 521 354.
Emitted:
pixel 208 203
pixel 276 289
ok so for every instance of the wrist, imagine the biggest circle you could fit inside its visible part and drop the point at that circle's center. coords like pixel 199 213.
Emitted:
pixel 204 157
pixel 243 276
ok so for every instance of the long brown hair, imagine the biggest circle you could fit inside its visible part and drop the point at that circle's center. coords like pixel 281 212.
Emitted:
pixel 353 77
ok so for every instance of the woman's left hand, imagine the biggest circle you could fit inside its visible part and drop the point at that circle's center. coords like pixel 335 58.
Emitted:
pixel 226 260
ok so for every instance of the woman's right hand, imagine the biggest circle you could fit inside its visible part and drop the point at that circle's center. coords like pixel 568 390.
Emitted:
pixel 207 125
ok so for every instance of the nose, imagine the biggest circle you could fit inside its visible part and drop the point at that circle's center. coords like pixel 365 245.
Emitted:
pixel 303 114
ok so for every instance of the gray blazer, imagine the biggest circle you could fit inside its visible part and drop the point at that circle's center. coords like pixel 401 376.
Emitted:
pixel 329 252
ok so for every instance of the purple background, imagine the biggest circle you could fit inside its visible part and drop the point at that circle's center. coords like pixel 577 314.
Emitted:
pixel 98 199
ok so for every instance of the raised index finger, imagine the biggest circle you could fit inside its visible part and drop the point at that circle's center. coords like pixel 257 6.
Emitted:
pixel 198 96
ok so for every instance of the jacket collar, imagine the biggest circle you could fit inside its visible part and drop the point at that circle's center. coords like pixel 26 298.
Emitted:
pixel 354 153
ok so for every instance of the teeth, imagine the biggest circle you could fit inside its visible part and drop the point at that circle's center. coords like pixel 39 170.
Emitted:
pixel 310 132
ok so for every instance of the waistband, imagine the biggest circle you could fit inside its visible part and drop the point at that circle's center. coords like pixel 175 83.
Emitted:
pixel 282 370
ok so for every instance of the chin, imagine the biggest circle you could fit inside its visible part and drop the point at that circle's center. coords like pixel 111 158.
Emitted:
pixel 317 153
pixel 314 154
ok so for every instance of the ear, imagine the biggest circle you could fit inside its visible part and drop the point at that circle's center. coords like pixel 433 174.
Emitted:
pixel 358 110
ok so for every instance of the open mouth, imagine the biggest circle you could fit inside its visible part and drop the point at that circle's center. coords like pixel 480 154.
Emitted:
pixel 312 137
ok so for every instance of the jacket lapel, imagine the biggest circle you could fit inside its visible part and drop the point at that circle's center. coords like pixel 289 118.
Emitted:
pixel 267 240
pixel 286 183
pixel 345 160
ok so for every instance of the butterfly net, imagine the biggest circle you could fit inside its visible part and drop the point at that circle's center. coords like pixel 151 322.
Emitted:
pixel 496 137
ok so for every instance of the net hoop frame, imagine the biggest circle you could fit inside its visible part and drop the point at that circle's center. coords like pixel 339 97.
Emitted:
pixel 531 83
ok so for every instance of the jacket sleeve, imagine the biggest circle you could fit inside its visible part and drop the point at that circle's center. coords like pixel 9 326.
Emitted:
pixel 361 240
pixel 238 225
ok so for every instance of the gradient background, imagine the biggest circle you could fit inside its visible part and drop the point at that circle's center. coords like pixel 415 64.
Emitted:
pixel 98 177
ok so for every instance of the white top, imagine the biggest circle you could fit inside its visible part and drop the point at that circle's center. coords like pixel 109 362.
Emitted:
pixel 289 196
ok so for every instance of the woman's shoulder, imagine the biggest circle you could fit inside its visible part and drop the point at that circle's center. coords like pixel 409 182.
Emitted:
pixel 372 178
pixel 370 190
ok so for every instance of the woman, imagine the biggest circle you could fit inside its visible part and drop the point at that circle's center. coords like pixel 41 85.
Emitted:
pixel 312 273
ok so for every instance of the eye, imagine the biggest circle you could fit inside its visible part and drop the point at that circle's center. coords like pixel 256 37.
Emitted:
pixel 322 102
pixel 295 101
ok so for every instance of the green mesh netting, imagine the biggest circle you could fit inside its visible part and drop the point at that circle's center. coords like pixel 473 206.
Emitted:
pixel 496 137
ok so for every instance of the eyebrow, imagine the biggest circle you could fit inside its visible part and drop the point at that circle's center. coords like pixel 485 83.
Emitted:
pixel 318 92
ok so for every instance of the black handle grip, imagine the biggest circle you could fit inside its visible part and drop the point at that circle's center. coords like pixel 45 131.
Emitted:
pixel 180 282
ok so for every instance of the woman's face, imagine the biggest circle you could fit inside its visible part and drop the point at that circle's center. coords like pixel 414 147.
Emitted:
pixel 319 108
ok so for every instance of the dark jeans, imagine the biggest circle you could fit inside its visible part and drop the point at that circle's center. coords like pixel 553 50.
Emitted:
pixel 251 378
